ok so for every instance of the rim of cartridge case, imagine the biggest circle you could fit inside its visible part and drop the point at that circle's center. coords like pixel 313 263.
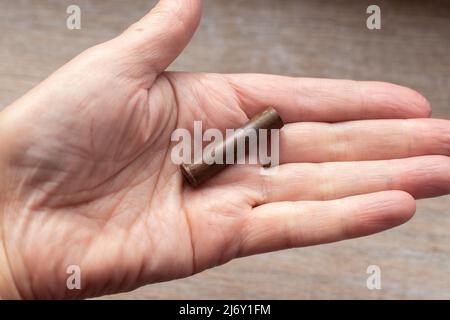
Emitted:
pixel 188 175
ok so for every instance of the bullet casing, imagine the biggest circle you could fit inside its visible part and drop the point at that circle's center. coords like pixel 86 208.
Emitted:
pixel 202 169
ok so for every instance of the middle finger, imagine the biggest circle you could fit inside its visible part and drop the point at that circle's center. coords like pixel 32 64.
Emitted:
pixel 363 140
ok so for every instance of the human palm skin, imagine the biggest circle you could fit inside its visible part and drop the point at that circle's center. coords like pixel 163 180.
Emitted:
pixel 87 177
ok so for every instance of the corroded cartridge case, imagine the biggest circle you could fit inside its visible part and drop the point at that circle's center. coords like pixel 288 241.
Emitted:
pixel 203 169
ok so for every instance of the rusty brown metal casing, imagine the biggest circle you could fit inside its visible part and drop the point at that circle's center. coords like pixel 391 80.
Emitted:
pixel 199 171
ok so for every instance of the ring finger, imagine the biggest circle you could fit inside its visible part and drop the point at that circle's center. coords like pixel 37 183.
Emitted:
pixel 425 176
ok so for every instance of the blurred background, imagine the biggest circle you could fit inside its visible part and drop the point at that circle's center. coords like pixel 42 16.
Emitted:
pixel 309 38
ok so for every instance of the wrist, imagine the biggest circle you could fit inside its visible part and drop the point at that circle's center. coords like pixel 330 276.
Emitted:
pixel 8 289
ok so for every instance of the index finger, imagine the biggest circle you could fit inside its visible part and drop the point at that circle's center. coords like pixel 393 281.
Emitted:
pixel 327 100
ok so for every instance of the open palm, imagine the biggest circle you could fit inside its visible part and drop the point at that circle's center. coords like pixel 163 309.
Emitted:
pixel 88 180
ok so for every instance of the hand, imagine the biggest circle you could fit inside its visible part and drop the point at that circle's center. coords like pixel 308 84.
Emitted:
pixel 86 176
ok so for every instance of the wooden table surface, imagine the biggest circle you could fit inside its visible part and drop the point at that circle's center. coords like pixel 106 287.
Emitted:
pixel 303 38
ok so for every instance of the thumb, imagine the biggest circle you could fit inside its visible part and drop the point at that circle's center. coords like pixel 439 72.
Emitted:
pixel 159 37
